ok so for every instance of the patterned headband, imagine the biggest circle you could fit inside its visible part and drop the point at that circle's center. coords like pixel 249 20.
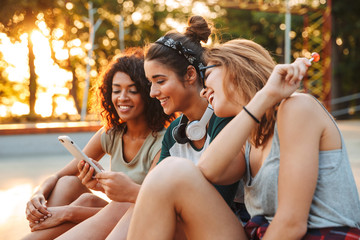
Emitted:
pixel 181 50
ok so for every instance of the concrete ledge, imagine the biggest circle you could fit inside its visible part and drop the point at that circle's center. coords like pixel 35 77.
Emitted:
pixel 53 127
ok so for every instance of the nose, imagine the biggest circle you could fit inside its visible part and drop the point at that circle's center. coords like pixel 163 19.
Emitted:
pixel 123 96
pixel 154 91
pixel 203 93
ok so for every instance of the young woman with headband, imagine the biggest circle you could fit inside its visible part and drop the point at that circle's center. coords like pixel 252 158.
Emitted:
pixel 285 146
pixel 173 65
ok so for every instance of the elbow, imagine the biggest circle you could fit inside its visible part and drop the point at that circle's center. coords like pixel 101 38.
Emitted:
pixel 294 228
pixel 299 230
pixel 208 174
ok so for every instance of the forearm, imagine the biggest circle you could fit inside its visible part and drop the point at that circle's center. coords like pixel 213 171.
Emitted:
pixel 127 194
pixel 47 186
pixel 77 214
pixel 118 186
pixel 286 228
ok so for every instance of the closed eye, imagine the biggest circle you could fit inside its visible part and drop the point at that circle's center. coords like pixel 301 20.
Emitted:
pixel 160 81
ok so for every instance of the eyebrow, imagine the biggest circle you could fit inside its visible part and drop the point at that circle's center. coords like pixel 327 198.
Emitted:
pixel 118 85
pixel 158 75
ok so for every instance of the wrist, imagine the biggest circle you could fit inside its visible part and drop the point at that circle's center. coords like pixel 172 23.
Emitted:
pixel 267 99
pixel 260 103
pixel 134 193
pixel 68 214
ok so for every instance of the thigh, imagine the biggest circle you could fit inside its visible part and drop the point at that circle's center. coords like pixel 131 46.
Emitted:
pixel 67 190
pixel 176 190
pixel 99 225
pixel 89 200
pixel 121 229
pixel 204 213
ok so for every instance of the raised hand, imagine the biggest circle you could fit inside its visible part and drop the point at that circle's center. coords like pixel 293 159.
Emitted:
pixel 286 78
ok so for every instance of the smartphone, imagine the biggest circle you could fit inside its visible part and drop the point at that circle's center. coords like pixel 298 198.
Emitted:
pixel 71 146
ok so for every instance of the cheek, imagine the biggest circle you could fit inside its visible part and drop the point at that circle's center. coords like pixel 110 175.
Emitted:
pixel 139 102
pixel 113 98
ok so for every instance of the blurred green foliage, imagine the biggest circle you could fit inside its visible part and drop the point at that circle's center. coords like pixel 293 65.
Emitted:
pixel 72 16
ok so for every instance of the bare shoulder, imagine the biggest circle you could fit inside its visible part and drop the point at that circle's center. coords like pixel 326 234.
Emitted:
pixel 299 102
pixel 300 107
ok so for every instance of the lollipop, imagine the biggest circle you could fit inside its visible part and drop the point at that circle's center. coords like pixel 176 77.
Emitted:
pixel 314 57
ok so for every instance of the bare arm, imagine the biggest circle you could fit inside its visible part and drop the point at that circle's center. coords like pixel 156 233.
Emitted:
pixel 284 80
pixel 62 214
pixel 119 187
pixel 300 129
pixel 36 207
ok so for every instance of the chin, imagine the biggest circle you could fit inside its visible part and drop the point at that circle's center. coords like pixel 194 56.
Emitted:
pixel 168 111
pixel 223 114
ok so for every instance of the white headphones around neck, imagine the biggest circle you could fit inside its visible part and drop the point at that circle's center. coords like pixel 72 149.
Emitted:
pixel 193 131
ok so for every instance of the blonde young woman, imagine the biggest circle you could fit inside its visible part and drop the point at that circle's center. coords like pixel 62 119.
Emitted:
pixel 284 145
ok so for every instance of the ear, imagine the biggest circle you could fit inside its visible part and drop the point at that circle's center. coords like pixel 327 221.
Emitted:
pixel 191 75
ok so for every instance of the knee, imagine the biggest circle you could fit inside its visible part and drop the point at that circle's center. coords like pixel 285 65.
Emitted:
pixel 70 187
pixel 67 181
pixel 88 200
pixel 173 171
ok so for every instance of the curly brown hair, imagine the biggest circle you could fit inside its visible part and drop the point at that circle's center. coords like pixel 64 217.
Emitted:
pixel 131 63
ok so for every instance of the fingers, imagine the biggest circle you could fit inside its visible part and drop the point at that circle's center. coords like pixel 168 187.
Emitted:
pixel 296 71
pixel 97 164
pixel 80 165
pixel 86 172
pixel 89 174
pixel 38 226
pixel 35 216
pixel 290 71
pixel 36 210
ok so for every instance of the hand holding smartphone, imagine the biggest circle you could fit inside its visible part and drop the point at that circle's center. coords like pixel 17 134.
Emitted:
pixel 71 146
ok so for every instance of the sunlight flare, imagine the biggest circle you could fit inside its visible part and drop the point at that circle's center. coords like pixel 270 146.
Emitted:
pixel 53 81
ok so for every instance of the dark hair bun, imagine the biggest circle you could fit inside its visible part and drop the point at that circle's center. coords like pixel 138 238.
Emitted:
pixel 198 29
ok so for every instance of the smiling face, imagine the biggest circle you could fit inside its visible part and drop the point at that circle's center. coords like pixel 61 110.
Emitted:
pixel 126 98
pixel 214 93
pixel 166 87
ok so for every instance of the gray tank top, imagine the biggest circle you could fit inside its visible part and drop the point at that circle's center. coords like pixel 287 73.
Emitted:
pixel 335 201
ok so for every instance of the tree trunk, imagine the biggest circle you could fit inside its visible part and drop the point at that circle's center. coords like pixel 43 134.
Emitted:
pixel 74 88
pixel 30 25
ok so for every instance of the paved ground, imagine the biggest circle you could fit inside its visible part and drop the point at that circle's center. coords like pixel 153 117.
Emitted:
pixel 26 160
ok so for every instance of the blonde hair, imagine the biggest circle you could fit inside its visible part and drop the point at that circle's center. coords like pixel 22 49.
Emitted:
pixel 247 67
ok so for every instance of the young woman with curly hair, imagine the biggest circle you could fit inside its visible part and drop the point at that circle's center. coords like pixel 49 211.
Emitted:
pixel 134 125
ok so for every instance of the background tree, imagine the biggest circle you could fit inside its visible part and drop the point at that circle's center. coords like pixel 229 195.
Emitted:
pixel 18 17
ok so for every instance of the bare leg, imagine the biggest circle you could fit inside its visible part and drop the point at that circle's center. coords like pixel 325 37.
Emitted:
pixel 176 188
pixel 87 199
pixel 121 229
pixel 99 225
pixel 66 191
